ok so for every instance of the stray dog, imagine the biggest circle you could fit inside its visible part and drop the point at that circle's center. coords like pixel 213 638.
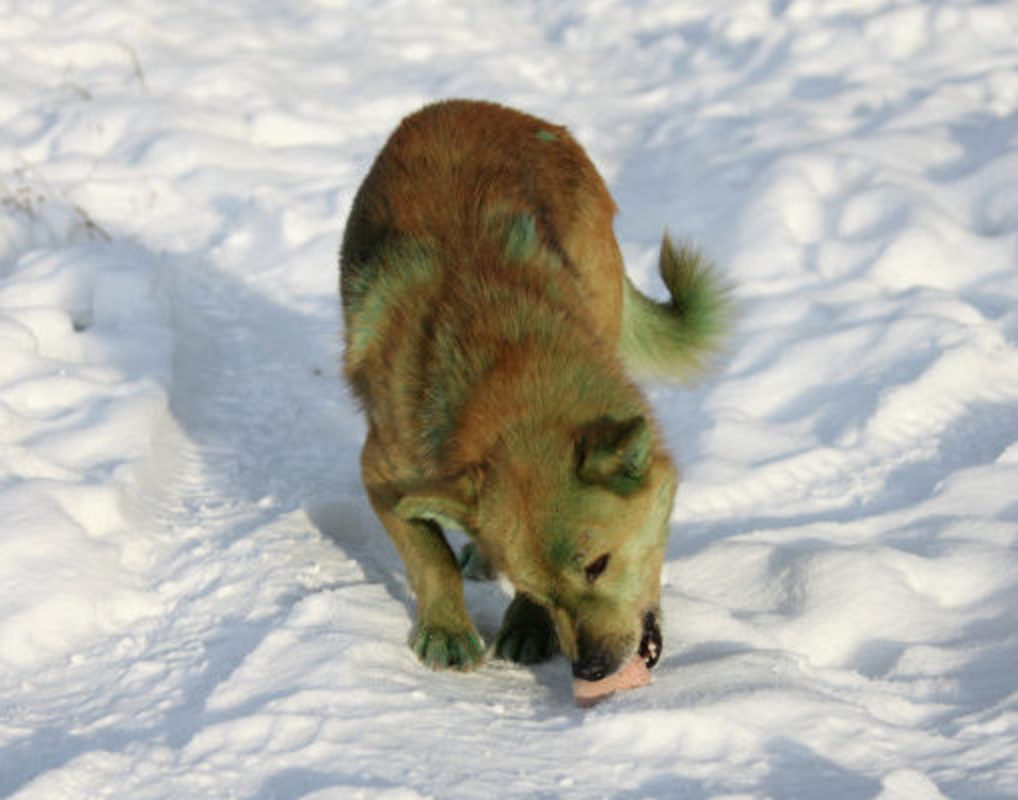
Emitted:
pixel 489 324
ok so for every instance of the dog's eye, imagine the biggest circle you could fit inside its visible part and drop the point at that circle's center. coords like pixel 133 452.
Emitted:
pixel 594 569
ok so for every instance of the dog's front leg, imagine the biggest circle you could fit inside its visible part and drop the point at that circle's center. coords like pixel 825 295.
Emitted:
pixel 445 634
pixel 528 633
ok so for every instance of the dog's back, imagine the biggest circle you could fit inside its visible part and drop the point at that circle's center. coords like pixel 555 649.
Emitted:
pixel 477 228
pixel 462 175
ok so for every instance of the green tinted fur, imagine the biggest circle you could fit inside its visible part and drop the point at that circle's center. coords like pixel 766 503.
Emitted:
pixel 521 237
pixel 676 338
pixel 375 291
pixel 522 244
pixel 562 549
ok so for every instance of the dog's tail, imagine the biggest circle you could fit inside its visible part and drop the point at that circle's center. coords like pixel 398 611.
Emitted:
pixel 675 339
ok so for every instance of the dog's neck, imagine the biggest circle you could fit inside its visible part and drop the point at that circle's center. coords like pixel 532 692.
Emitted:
pixel 539 404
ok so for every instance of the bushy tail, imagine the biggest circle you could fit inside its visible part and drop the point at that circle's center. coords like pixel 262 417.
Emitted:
pixel 676 339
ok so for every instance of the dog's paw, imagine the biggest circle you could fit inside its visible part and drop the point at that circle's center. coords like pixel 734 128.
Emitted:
pixel 525 645
pixel 473 565
pixel 440 648
pixel 527 635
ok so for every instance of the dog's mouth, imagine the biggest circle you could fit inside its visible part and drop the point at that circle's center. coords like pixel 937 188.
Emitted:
pixel 650 641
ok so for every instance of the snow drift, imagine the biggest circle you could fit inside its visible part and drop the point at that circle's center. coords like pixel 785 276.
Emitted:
pixel 195 600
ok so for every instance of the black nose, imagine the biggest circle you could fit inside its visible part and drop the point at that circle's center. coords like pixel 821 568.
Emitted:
pixel 594 660
pixel 592 668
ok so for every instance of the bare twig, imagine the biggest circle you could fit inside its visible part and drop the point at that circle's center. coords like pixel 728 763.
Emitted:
pixel 139 73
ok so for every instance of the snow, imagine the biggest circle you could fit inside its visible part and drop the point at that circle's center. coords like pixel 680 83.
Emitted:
pixel 195 598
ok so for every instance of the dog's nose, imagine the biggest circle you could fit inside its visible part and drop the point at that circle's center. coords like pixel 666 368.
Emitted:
pixel 595 660
pixel 592 668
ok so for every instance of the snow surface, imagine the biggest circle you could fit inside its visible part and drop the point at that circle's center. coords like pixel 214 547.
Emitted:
pixel 195 599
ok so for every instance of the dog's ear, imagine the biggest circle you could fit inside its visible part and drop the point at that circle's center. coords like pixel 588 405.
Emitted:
pixel 451 503
pixel 614 453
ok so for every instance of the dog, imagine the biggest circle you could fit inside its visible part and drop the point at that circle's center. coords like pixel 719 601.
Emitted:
pixel 490 333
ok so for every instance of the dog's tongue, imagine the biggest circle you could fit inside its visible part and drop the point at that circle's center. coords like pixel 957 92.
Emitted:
pixel 632 676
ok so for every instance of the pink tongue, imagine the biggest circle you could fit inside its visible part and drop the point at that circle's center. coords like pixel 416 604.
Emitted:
pixel 632 676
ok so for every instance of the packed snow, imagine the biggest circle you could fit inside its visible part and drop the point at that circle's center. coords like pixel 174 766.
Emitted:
pixel 195 598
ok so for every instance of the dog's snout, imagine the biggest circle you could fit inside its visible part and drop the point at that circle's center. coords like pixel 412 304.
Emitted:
pixel 595 660
pixel 590 669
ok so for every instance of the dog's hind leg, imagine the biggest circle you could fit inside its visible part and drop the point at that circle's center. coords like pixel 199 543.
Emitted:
pixel 474 565
pixel 528 634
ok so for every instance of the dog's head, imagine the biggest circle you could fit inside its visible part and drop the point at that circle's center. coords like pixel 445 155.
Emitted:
pixel 578 519
pixel 594 543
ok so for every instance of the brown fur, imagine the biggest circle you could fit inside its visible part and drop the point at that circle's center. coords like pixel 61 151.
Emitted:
pixel 483 295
